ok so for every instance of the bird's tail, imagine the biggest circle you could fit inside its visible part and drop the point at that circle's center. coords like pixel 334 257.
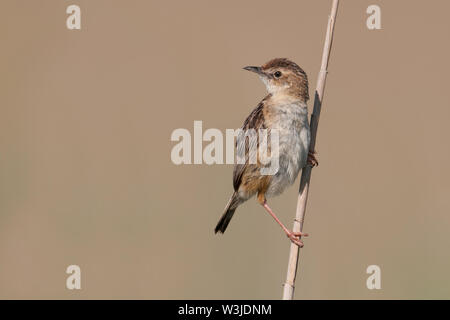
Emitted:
pixel 228 214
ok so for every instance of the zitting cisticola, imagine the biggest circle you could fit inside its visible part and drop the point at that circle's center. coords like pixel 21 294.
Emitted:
pixel 283 109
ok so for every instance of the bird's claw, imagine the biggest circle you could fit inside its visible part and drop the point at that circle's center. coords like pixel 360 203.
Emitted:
pixel 295 237
pixel 312 160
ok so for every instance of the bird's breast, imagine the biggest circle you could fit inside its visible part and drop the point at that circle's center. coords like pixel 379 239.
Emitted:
pixel 291 123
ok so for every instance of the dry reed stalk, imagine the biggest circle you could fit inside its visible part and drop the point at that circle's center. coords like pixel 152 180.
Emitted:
pixel 289 285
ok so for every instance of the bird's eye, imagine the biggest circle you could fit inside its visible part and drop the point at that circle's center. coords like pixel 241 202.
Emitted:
pixel 277 74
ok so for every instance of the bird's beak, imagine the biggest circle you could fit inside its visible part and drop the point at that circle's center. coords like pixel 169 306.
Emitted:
pixel 257 70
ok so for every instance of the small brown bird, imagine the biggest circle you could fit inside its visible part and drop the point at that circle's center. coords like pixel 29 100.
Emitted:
pixel 283 109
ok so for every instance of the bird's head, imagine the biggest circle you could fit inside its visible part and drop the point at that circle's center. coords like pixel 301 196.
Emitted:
pixel 283 77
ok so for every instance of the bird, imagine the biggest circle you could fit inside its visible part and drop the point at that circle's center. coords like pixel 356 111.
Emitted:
pixel 284 110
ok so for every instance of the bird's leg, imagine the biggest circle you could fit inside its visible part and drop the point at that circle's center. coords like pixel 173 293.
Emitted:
pixel 312 160
pixel 293 236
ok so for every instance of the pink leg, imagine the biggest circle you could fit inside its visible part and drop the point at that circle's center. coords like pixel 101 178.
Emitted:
pixel 293 236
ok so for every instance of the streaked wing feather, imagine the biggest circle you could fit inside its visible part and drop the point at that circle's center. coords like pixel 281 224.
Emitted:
pixel 254 121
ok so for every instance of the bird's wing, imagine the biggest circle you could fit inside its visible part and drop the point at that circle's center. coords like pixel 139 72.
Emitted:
pixel 254 121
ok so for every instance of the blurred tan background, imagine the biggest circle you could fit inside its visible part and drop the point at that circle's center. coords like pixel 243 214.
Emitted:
pixel 85 170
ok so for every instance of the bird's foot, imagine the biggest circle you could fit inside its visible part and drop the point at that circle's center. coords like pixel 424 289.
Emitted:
pixel 312 160
pixel 295 237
